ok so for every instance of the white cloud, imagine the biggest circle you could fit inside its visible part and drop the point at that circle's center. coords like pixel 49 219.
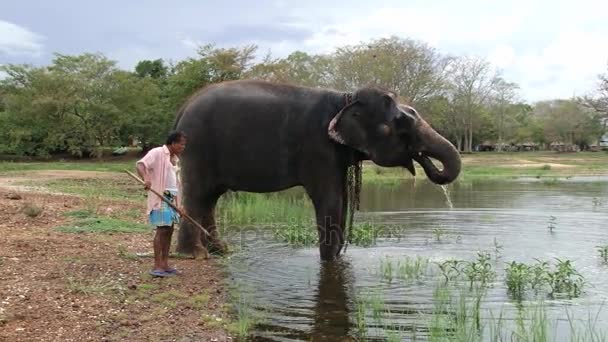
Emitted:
pixel 551 49
pixel 190 43
pixel 16 40
pixel 567 66
pixel 502 56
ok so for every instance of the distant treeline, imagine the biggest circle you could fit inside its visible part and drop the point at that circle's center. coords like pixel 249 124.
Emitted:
pixel 82 104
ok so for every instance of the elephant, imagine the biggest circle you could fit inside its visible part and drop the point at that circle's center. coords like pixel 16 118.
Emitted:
pixel 260 136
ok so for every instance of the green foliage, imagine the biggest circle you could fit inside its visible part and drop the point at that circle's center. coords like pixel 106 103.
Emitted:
pixel 84 103
pixel 212 65
pixel 77 105
pixel 155 69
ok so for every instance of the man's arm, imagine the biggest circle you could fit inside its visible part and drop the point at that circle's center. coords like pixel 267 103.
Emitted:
pixel 141 170
pixel 145 165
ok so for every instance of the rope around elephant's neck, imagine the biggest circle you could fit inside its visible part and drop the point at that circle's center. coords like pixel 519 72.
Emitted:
pixel 353 183
pixel 353 188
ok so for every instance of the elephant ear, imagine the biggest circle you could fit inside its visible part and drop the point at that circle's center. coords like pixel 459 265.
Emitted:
pixel 331 129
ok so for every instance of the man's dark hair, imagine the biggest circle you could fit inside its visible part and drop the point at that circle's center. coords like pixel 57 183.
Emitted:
pixel 175 136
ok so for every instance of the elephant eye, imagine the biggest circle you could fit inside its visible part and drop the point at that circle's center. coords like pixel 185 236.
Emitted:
pixel 356 114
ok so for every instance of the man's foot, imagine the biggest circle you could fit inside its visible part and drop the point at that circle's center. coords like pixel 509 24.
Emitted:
pixel 171 270
pixel 160 273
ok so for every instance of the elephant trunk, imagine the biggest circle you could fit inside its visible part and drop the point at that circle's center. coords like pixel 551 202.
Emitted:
pixel 436 146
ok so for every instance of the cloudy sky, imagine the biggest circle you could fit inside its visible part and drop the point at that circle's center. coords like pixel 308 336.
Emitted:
pixel 551 49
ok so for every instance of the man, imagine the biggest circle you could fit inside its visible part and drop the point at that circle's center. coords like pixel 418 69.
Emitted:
pixel 159 170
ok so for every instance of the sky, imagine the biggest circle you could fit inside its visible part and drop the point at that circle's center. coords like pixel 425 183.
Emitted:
pixel 552 49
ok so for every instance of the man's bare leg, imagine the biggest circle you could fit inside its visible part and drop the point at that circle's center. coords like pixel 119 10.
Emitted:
pixel 164 243
pixel 158 250
pixel 167 247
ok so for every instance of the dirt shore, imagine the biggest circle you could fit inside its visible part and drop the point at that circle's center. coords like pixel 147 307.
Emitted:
pixel 58 286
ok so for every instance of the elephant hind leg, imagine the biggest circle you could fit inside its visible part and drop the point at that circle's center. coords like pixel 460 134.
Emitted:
pixel 201 206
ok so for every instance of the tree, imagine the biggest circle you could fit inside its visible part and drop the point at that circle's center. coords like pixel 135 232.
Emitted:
pixel 568 122
pixel 298 68
pixel 212 65
pixel 410 68
pixel 155 69
pixel 471 83
pixel 598 101
pixel 503 96
pixel 79 104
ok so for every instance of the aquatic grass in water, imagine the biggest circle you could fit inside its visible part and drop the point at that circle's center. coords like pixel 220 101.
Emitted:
pixel 386 269
pixel 405 269
pixel 480 270
pixel 551 223
pixel 411 269
pixel 372 300
pixel 518 276
pixel 603 250
pixel 565 279
pixel 297 234
pixel 450 269
pixel 497 249
pixel 365 234
pixel 460 317
pixel 455 319
pixel 562 280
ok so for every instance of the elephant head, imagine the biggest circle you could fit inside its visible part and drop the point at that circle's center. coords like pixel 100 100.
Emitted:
pixel 393 134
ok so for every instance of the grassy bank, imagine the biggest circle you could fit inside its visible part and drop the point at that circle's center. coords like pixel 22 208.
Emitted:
pixel 509 165
pixel 290 214
pixel 475 165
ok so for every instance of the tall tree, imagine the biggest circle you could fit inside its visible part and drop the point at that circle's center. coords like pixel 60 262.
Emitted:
pixel 298 68
pixel 503 96
pixel 211 66
pixel 471 81
pixel 155 69
pixel 567 122
pixel 411 68
pixel 79 104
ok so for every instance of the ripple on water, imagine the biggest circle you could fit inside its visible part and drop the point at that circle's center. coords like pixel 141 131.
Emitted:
pixel 303 298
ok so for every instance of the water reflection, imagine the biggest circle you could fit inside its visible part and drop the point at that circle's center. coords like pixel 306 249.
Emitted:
pixel 331 310
pixel 306 300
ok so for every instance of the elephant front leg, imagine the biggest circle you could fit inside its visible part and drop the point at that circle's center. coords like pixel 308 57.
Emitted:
pixel 213 242
pixel 330 226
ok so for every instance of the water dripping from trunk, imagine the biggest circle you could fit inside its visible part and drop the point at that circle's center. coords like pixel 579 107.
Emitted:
pixel 446 192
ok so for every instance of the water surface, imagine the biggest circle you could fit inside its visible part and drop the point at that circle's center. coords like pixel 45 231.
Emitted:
pixel 303 299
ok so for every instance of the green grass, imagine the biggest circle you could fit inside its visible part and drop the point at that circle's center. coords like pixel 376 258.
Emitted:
pixel 113 188
pixel 99 286
pixel 114 166
pixel 481 164
pixel 252 208
pixel 103 225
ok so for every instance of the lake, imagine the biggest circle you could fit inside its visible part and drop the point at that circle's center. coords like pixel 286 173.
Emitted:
pixel 300 298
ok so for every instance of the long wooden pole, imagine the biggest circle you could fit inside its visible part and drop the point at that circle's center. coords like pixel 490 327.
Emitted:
pixel 181 213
